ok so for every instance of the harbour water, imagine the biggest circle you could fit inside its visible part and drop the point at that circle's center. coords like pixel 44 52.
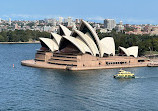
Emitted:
pixel 27 88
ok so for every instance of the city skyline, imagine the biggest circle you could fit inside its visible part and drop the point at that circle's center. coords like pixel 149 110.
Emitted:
pixel 132 12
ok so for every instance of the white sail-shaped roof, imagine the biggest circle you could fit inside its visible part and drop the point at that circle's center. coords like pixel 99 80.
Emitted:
pixel 78 43
pixel 86 40
pixel 65 30
pixel 124 50
pixel 131 51
pixel 89 42
pixel 83 44
pixel 50 43
pixel 108 46
pixel 94 36
pixel 57 37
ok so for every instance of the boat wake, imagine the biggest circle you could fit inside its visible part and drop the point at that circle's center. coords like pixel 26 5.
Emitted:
pixel 144 77
pixel 139 77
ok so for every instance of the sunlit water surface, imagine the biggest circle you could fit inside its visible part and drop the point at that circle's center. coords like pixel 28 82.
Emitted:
pixel 26 88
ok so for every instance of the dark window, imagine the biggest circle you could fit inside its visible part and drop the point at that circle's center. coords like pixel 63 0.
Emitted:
pixel 97 55
pixel 105 55
pixel 141 60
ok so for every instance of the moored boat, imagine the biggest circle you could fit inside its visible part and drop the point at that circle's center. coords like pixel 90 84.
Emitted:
pixel 124 74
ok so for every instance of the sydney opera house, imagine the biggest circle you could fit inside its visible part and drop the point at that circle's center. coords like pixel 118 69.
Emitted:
pixel 81 50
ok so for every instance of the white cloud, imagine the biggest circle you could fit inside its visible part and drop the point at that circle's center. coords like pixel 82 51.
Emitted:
pixel 97 18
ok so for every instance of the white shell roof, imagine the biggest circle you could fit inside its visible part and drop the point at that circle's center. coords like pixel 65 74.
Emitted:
pixel 108 45
pixel 84 41
pixel 89 42
pixel 50 43
pixel 66 31
pixel 78 43
pixel 57 37
pixel 95 37
pixel 133 51
pixel 130 51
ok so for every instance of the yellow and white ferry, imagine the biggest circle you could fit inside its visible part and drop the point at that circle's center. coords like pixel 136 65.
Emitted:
pixel 124 74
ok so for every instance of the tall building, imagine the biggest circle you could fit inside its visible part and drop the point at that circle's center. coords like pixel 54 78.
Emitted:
pixel 121 23
pixel 54 22
pixel 65 20
pixel 109 24
pixel 60 20
pixel 49 21
pixel 69 20
pixel 10 21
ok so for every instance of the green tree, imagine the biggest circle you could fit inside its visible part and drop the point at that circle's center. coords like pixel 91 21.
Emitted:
pixel 2 38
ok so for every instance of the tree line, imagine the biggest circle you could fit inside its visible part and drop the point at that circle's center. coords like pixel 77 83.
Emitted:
pixel 21 35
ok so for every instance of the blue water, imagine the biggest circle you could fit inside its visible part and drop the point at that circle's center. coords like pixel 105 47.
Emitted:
pixel 25 88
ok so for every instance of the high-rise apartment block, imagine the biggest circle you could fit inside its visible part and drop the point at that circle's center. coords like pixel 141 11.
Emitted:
pixel 109 24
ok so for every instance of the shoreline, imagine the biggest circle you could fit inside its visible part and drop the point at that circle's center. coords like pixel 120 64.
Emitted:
pixel 36 42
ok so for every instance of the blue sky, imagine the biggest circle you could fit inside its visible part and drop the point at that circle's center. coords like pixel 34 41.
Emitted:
pixel 129 11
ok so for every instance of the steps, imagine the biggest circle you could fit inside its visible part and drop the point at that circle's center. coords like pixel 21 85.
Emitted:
pixel 63 59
